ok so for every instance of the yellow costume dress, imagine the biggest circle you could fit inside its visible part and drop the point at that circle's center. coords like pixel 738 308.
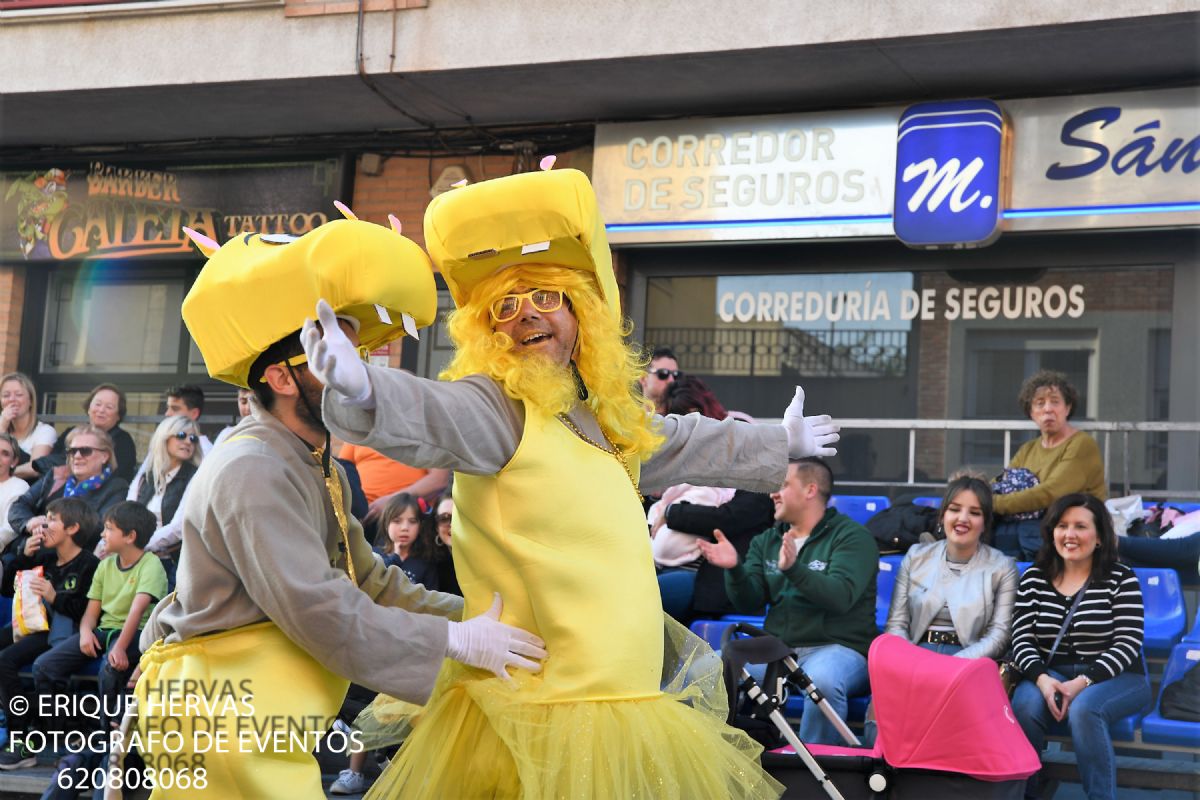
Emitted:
pixel 559 532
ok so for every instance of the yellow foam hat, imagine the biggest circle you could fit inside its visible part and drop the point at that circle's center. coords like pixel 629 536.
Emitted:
pixel 548 217
pixel 256 289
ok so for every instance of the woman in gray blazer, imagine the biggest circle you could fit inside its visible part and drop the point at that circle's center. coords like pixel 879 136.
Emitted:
pixel 956 596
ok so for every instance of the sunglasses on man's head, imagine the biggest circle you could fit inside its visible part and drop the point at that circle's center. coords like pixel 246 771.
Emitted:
pixel 191 437
pixel 663 374
pixel 83 452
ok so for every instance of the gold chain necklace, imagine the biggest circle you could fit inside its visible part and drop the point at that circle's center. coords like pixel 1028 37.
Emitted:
pixel 612 450
pixel 334 487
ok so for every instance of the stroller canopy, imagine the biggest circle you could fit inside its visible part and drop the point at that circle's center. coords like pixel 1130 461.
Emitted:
pixel 945 713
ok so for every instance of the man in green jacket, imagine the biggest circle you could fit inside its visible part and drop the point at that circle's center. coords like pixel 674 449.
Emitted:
pixel 816 570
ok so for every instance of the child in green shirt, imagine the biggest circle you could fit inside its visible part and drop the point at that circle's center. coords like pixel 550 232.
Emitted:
pixel 124 590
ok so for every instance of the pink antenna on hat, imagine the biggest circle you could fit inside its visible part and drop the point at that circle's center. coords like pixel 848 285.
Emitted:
pixel 547 163
pixel 206 245
pixel 395 223
pixel 342 207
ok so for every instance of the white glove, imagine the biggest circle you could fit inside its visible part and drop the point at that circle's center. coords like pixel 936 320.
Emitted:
pixel 334 361
pixel 809 436
pixel 488 643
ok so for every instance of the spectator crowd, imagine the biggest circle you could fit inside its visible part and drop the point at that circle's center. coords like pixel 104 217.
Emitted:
pixel 102 530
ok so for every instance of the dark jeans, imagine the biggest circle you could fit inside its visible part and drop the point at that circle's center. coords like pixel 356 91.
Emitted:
pixel 1088 718
pixel 1019 539
pixel 1179 554
pixel 677 588
pixel 13 657
pixel 52 670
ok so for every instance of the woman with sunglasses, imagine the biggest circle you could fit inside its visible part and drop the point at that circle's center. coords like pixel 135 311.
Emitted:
pixel 443 554
pixel 90 474
pixel 174 458
pixel 106 408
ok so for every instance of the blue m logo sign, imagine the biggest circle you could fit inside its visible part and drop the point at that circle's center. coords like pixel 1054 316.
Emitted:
pixel 948 172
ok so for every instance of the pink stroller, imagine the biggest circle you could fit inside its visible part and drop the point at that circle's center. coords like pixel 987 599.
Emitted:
pixel 946 729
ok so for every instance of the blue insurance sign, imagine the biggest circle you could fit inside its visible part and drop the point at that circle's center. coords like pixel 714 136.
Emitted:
pixel 949 168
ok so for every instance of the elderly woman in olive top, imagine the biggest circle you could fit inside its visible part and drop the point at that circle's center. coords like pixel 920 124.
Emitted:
pixel 1093 675
pixel 1064 459
pixel 90 474
pixel 956 596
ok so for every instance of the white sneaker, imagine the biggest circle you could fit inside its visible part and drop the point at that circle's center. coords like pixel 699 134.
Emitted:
pixel 349 782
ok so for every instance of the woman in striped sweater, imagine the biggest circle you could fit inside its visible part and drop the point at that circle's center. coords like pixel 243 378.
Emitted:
pixel 1095 675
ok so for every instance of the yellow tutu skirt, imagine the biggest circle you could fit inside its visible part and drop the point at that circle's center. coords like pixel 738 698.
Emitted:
pixel 481 738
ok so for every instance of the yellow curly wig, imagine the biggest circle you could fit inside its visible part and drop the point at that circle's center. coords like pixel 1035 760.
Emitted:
pixel 608 365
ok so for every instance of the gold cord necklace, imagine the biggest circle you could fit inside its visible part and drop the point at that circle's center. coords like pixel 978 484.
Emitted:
pixel 612 450
pixel 334 487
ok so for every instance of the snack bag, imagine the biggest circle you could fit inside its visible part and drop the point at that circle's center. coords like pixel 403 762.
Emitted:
pixel 28 613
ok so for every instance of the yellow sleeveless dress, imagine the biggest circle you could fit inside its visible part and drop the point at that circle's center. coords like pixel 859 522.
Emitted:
pixel 560 534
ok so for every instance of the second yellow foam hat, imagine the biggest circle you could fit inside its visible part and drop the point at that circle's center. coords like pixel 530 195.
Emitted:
pixel 547 217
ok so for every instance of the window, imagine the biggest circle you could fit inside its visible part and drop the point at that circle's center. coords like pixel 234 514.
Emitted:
pixel 96 323
pixel 998 363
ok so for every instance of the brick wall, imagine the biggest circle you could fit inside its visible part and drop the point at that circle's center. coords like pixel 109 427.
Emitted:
pixel 307 8
pixel 12 303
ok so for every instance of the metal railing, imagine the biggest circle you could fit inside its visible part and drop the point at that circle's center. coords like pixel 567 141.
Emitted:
pixel 1106 431
pixel 843 353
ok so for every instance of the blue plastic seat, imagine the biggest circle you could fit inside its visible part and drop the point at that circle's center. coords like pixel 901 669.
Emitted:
pixel 1022 566
pixel 5 611
pixel 1166 615
pixel 929 502
pixel 710 630
pixel 1194 634
pixel 1186 508
pixel 859 508
pixel 885 585
pixel 1156 729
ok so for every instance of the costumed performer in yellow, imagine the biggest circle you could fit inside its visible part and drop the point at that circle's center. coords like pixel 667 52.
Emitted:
pixel 550 442
pixel 280 599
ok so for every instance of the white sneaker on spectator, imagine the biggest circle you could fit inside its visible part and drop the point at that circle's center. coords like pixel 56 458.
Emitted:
pixel 349 782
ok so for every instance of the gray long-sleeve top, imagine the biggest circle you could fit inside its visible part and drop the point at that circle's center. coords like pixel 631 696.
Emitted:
pixel 260 541
pixel 471 426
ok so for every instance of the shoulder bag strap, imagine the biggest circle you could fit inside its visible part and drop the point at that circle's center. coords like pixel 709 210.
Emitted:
pixel 1067 620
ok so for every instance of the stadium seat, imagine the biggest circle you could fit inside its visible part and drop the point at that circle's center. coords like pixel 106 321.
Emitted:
pixel 859 508
pixel 1194 634
pixel 1166 616
pixel 1157 729
pixel 930 502
pixel 1022 566
pixel 710 630
pixel 1186 508
pixel 5 611
pixel 885 584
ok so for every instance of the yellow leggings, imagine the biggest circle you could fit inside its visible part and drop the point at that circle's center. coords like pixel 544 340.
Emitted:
pixel 235 715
